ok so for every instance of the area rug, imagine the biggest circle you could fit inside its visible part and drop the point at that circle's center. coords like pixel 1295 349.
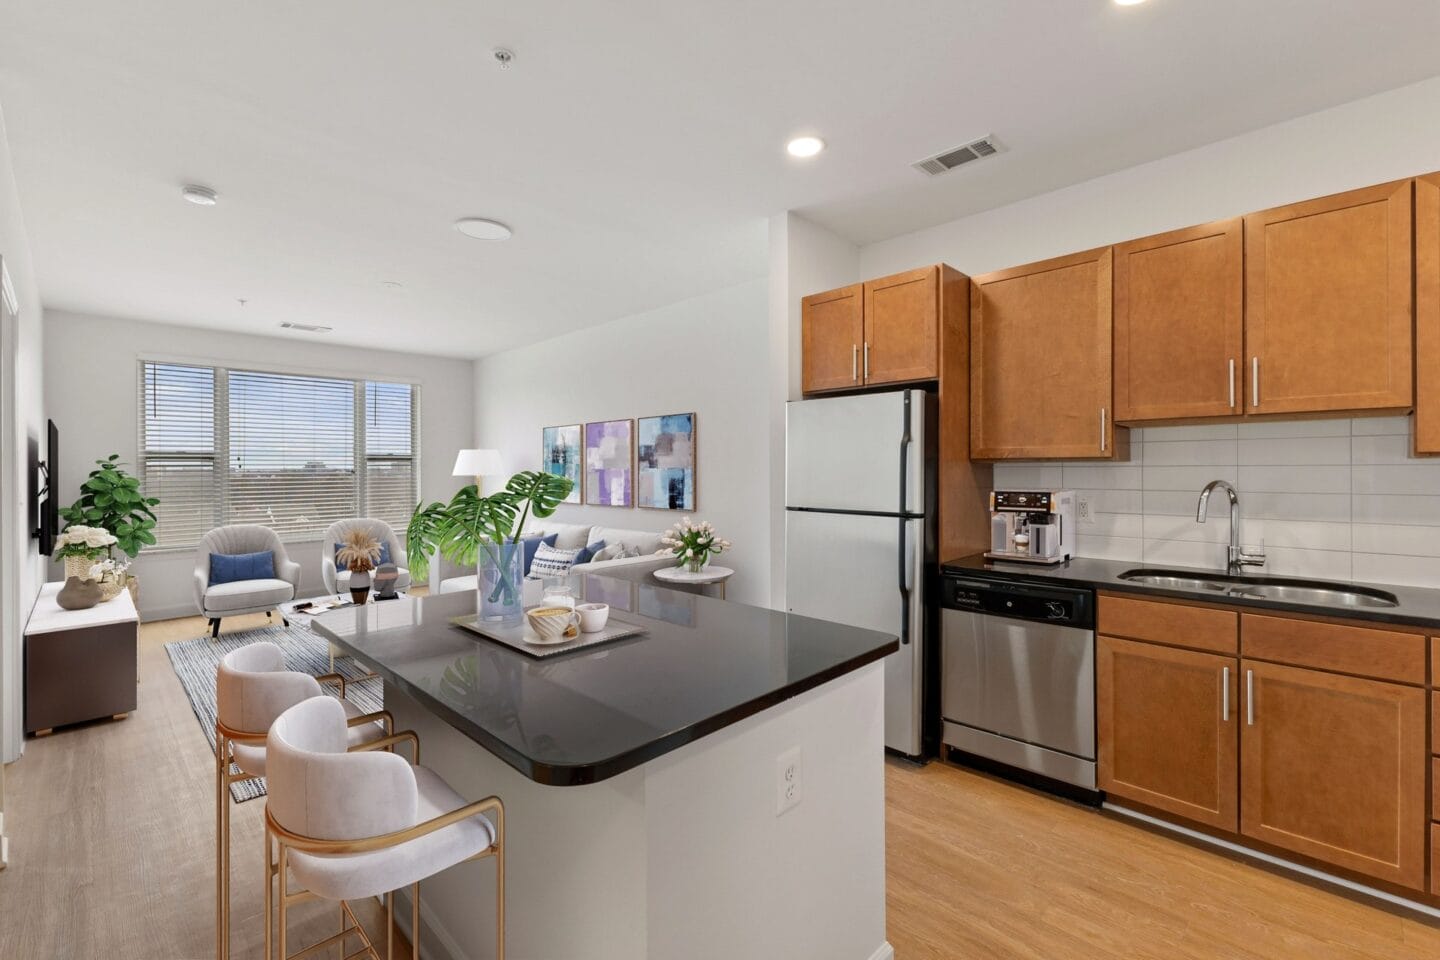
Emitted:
pixel 195 662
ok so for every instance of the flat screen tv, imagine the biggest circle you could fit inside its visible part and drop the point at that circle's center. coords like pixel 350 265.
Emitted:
pixel 46 477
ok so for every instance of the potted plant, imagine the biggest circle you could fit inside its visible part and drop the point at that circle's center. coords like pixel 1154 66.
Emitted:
pixel 693 544
pixel 111 498
pixel 83 550
pixel 484 531
pixel 359 553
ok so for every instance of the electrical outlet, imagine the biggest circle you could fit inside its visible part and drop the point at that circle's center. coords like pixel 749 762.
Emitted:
pixel 788 780
pixel 1084 513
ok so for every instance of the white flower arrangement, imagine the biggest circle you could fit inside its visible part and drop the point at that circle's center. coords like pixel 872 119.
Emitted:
pixel 81 541
pixel 693 543
pixel 106 570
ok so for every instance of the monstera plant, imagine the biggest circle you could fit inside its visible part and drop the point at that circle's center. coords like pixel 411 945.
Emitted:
pixel 110 498
pixel 483 529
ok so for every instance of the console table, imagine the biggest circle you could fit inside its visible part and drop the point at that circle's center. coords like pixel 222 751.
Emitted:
pixel 79 664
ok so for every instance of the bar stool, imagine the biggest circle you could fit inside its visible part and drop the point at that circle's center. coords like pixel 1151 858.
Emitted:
pixel 351 822
pixel 252 688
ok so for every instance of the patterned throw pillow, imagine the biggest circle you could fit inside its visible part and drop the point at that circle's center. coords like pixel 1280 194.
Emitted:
pixel 552 562
pixel 609 553
pixel 628 551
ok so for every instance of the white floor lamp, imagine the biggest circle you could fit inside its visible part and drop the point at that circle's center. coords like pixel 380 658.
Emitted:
pixel 469 463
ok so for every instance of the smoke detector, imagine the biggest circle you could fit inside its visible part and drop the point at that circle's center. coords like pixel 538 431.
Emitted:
pixel 948 160
pixel 200 196
pixel 305 327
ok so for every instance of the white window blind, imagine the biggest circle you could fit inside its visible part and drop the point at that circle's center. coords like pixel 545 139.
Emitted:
pixel 291 452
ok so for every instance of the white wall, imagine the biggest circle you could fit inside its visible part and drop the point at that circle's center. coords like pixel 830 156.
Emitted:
pixel 804 258
pixel 1358 508
pixel 90 387
pixel 23 408
pixel 707 355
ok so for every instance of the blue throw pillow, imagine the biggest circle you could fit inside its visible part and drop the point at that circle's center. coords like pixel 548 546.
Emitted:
pixel 384 556
pixel 584 556
pixel 234 567
pixel 531 544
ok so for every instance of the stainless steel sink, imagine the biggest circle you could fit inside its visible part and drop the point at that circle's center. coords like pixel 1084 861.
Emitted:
pixel 1317 593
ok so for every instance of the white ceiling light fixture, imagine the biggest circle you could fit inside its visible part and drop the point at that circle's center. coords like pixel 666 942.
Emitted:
pixel 804 146
pixel 1128 3
pixel 201 196
pixel 482 229
pixel 305 327
pixel 392 285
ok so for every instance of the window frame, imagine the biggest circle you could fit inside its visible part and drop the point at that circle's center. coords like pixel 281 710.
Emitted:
pixel 219 457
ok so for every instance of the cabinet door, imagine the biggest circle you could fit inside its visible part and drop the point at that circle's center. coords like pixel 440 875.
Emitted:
pixel 831 332
pixel 1179 324
pixel 902 324
pixel 1333 767
pixel 1040 363
pixel 1427 314
pixel 1328 303
pixel 1168 736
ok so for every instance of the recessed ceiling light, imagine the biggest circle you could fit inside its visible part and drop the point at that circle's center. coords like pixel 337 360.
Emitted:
pixel 203 196
pixel 805 146
pixel 1128 3
pixel 482 229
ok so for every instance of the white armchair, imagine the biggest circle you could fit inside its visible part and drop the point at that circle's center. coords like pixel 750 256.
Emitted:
pixel 220 600
pixel 338 581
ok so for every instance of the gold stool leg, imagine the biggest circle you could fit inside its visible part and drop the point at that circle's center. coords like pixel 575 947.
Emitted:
pixel 222 849
pixel 283 869
pixel 269 891
pixel 390 925
pixel 500 883
pixel 415 921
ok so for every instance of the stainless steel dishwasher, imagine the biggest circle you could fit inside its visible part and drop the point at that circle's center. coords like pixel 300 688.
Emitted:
pixel 1018 680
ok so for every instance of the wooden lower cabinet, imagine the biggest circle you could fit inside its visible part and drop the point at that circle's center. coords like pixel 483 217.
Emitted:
pixel 1334 767
pixel 1168 729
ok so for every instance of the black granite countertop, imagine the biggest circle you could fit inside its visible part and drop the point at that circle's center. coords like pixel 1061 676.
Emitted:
pixel 583 717
pixel 1416 607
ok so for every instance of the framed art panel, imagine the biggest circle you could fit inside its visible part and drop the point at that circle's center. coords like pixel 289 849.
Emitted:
pixel 609 459
pixel 665 464
pixel 561 454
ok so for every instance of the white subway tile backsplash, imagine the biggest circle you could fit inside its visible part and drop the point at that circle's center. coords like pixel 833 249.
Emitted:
pixel 1299 451
pixel 1335 499
pixel 1392 568
pixel 1260 429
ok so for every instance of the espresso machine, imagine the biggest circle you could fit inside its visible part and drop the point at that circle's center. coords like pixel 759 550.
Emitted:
pixel 1032 527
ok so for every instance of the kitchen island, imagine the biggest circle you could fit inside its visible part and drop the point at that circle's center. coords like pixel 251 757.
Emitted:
pixel 644 780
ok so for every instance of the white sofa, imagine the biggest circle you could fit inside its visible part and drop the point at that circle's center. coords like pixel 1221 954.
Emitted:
pixel 571 536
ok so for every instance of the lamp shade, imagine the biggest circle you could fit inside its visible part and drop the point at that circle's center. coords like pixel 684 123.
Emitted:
pixel 478 463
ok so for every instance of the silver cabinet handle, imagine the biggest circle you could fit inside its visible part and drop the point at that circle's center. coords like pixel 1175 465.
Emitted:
pixel 1225 694
pixel 1102 429
pixel 854 362
pixel 1232 383
pixel 1250 698
pixel 867 361
pixel 1254 381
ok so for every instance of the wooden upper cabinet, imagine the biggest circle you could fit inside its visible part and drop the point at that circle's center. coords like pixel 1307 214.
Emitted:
pixel 1179 324
pixel 1427 316
pixel 1334 767
pixel 902 327
pixel 1168 729
pixel 832 330
pixel 1328 303
pixel 1040 361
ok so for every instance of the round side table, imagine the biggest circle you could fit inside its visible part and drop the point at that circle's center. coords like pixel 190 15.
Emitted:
pixel 707 575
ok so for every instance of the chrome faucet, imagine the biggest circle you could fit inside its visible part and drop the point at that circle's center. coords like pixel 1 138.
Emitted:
pixel 1235 556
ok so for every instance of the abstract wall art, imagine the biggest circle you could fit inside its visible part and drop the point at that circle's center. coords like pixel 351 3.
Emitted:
pixel 666 462
pixel 609 452
pixel 560 454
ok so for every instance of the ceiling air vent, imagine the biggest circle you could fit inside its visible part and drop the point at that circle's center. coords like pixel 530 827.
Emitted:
pixel 306 327
pixel 958 156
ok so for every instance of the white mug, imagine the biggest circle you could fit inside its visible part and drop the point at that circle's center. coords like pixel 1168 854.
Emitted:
pixel 593 616
pixel 551 622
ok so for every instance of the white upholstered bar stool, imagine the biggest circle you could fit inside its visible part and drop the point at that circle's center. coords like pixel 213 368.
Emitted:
pixel 252 688
pixel 353 822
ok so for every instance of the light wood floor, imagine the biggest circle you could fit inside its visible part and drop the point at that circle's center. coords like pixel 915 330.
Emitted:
pixel 111 828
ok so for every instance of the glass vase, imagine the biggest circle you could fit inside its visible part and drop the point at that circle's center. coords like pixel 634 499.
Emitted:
pixel 501 582
pixel 695 564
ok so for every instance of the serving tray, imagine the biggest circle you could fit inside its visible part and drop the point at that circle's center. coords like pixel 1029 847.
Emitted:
pixel 519 636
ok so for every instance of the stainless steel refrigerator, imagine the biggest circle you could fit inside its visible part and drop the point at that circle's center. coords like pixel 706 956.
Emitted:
pixel 860 531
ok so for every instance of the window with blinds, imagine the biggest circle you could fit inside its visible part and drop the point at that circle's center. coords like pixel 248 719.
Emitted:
pixel 294 453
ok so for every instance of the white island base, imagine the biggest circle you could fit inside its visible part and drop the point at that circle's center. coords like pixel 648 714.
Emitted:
pixel 684 857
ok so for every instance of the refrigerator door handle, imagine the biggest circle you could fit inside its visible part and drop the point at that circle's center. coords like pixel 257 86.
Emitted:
pixel 905 582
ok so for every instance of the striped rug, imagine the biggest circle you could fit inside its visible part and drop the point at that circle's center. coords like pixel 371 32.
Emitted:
pixel 195 662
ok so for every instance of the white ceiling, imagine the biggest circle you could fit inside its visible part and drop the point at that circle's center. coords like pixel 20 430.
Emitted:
pixel 635 148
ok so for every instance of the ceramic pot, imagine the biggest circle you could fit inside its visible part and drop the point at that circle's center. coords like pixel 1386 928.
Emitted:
pixel 78 594
pixel 360 585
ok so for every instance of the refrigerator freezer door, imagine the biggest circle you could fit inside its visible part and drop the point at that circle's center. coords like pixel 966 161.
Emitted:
pixel 843 453
pixel 848 569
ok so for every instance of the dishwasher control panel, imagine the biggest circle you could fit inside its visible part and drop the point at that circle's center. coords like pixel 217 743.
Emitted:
pixel 1021 601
